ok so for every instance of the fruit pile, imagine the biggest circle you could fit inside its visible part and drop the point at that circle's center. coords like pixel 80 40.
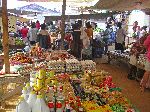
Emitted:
pixel 103 97
pixel 19 42
pixel 59 56
pixel 20 58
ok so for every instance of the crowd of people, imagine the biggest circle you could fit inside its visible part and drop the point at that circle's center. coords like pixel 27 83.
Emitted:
pixel 34 33
pixel 80 42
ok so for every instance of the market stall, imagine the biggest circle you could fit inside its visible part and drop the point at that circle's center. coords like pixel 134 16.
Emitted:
pixel 86 91
pixel 62 82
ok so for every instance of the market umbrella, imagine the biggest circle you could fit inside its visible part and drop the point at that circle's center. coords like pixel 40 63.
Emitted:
pixel 122 5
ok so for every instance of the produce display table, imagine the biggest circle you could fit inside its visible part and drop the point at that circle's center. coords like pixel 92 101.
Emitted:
pixel 63 83
pixel 118 57
pixel 15 47
pixel 124 57
pixel 88 92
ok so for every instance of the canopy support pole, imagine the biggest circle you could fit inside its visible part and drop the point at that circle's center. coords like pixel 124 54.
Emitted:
pixel 5 36
pixel 63 24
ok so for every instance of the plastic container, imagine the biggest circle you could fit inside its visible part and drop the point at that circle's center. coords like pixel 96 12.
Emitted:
pixel 23 106
pixel 32 99
pixel 42 74
pixel 25 93
pixel 28 88
pixel 59 107
pixel 51 106
pixel 40 105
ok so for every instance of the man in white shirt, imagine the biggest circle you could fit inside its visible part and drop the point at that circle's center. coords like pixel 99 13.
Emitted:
pixel 120 38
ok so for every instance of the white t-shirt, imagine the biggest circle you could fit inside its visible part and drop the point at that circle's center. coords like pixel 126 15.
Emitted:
pixel 33 34
pixel 120 36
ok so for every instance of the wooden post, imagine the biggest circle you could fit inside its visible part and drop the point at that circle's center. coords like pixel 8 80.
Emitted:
pixel 5 36
pixel 63 24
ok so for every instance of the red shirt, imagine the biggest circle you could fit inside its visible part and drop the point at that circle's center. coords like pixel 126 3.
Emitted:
pixel 24 32
pixel 68 37
pixel 38 25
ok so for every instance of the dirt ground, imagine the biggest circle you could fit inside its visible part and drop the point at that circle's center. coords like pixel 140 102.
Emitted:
pixel 119 73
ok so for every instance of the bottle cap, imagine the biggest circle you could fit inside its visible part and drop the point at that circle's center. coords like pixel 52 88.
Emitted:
pixel 39 96
pixel 32 92
pixel 21 98
pixel 81 109
pixel 24 88
pixel 28 84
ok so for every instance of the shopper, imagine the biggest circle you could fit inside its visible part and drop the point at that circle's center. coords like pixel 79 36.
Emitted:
pixel 143 31
pixel 32 34
pixel 146 77
pixel 120 38
pixel 76 44
pixel 19 27
pixel 38 25
pixel 106 37
pixel 84 37
pixel 89 31
pixel 43 38
pixel 136 30
pixel 68 39
pixel 136 49
pixel 24 33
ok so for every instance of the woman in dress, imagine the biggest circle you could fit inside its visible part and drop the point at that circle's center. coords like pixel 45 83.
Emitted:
pixel 146 78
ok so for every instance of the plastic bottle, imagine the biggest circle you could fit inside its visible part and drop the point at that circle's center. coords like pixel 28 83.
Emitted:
pixel 80 108
pixel 51 106
pixel 25 93
pixel 23 106
pixel 59 107
pixel 28 88
pixel 40 105
pixel 32 99
pixel 67 107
